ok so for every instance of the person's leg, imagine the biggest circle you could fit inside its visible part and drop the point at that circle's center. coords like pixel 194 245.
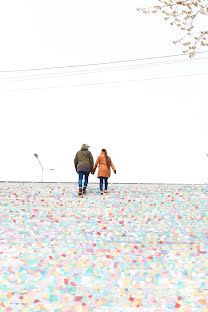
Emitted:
pixel 80 178
pixel 101 184
pixel 106 184
pixel 80 182
pixel 85 182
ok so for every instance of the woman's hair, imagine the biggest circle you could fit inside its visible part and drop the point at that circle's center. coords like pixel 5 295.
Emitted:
pixel 106 157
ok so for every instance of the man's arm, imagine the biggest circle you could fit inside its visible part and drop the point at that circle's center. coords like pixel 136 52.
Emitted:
pixel 91 162
pixel 96 164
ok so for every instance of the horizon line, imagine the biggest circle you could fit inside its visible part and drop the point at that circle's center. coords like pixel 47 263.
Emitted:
pixel 126 183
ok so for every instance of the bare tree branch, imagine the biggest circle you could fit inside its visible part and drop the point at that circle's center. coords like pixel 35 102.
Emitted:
pixel 186 16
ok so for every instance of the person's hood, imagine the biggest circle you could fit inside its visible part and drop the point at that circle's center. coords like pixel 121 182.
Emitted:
pixel 85 147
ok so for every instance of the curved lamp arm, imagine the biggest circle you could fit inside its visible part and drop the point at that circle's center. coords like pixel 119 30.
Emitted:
pixel 42 168
pixel 36 155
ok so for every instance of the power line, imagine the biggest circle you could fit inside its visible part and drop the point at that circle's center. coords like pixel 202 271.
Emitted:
pixel 95 64
pixel 109 82
pixel 93 71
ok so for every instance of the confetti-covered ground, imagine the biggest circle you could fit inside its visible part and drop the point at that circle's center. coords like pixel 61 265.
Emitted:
pixel 138 248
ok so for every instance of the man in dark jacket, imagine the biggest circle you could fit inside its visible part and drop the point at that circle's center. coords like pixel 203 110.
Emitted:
pixel 84 164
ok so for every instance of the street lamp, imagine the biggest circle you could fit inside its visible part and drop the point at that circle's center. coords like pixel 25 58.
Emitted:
pixel 42 168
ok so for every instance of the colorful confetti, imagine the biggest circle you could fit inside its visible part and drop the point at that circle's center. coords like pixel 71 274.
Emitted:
pixel 137 248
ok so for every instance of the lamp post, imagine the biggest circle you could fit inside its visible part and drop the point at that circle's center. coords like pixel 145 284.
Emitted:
pixel 42 168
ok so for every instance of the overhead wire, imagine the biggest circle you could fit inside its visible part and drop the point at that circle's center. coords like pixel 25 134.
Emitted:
pixel 104 69
pixel 108 82
pixel 95 64
pixel 100 70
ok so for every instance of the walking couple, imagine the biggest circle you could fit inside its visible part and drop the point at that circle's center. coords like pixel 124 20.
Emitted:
pixel 84 165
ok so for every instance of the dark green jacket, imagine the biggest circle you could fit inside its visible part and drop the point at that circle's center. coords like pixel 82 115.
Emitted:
pixel 83 161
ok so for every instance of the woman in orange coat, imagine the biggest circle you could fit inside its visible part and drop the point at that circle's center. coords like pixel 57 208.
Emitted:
pixel 104 171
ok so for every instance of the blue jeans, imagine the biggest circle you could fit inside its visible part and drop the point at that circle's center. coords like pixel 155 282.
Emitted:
pixel 101 183
pixel 81 174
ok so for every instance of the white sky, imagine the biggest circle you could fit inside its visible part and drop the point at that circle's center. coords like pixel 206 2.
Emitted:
pixel 152 119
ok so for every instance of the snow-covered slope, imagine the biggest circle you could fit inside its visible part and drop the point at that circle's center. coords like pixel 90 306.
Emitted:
pixel 137 248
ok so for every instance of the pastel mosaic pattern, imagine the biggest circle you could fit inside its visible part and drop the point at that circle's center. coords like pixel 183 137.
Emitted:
pixel 138 248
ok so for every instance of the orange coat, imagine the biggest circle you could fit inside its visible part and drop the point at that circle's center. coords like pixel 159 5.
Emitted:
pixel 103 169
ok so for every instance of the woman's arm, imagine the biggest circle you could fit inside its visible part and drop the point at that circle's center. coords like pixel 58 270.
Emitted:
pixel 112 166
